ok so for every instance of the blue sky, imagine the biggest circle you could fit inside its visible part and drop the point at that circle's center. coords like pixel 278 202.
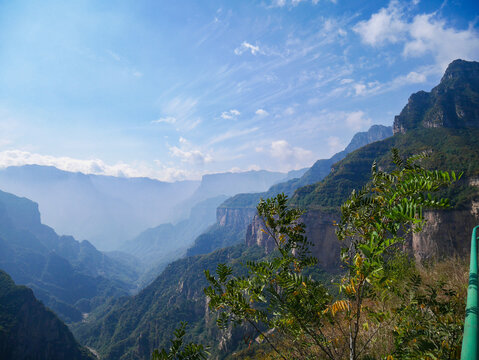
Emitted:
pixel 176 89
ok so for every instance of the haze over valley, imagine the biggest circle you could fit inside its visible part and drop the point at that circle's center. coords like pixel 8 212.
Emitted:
pixel 139 142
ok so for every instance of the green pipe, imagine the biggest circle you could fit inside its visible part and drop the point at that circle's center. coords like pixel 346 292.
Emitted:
pixel 470 339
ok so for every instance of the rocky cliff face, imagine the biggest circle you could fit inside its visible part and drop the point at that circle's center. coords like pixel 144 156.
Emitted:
pixel 319 230
pixel 454 103
pixel 229 229
pixel 445 233
pixel 238 218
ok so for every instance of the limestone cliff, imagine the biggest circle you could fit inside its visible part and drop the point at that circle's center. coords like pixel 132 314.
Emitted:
pixel 445 233
pixel 319 230
pixel 230 227
pixel 239 218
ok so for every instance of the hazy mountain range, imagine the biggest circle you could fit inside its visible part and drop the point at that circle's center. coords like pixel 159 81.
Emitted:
pixel 92 290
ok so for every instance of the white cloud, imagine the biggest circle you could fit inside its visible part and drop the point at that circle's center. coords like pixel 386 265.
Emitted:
pixel 384 26
pixel 359 89
pixel 288 156
pixel 289 111
pixel 412 78
pixel 189 154
pixel 194 157
pixel 261 112
pixel 422 34
pixel 231 114
pixel 114 55
pixel 357 120
pixel 183 110
pixel 429 35
pixel 293 3
pixel 346 81
pixel 166 119
pixel 86 166
pixel 245 46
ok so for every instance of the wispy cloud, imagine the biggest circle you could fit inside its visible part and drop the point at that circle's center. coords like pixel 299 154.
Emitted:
pixel 387 25
pixel 187 153
pixel 287 156
pixel 231 114
pixel 194 157
pixel 232 134
pixel 293 3
pixel 358 120
pixel 86 166
pixel 246 46
pixel 183 110
pixel 261 112
pixel 167 120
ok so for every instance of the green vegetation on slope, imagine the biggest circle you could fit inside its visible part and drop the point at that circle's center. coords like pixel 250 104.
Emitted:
pixel 317 172
pixel 132 327
pixel 455 149
pixel 68 276
pixel 28 330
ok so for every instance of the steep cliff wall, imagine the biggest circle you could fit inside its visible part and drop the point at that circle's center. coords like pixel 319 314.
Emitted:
pixel 238 218
pixel 230 228
pixel 319 230
pixel 445 233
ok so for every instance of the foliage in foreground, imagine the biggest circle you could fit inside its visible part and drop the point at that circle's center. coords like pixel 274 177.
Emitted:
pixel 287 307
pixel 180 351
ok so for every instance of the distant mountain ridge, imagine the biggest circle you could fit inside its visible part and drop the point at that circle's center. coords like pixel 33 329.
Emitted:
pixel 109 210
pixel 68 276
pixel 234 215
pixel 232 183
pixel 159 246
pixel 28 330
pixel 103 209
pixel 317 172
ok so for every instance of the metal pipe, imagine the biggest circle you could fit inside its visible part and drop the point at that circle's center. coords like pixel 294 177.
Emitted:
pixel 470 340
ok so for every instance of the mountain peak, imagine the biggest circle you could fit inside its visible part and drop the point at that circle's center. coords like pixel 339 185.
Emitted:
pixel 454 103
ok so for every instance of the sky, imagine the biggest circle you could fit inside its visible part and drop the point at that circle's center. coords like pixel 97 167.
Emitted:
pixel 173 90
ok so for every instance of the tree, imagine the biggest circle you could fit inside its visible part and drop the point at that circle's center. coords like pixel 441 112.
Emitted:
pixel 178 351
pixel 287 307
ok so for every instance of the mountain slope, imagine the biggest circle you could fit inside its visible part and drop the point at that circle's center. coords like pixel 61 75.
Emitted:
pixel 317 172
pixel 68 276
pixel 133 327
pixel 234 215
pixel 454 103
pixel 137 324
pixel 427 122
pixel 28 330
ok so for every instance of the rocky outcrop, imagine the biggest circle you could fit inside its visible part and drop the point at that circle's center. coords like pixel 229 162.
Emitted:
pixel 320 230
pixel 238 218
pixel 452 104
pixel 229 229
pixel 445 233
